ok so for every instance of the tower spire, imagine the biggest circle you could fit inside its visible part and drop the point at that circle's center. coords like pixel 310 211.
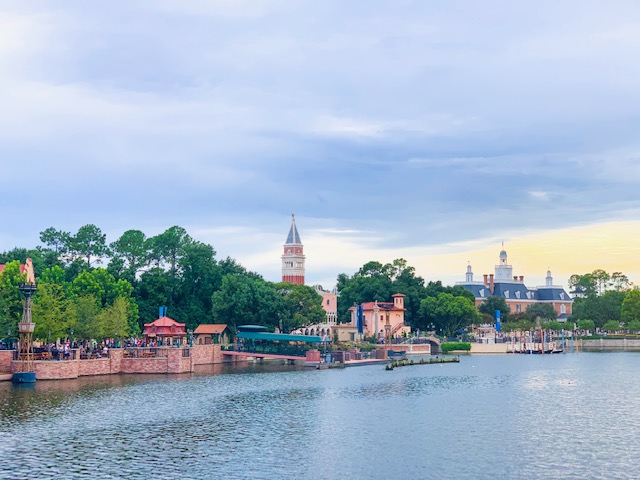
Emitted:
pixel 293 256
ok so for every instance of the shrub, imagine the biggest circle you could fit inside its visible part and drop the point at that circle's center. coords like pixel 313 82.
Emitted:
pixel 451 346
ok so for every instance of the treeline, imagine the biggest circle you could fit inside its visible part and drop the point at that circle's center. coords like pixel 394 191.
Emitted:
pixel 89 288
pixel 605 301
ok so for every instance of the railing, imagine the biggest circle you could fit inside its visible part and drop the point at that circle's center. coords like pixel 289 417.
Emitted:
pixel 270 349
pixel 93 355
pixel 43 354
pixel 146 352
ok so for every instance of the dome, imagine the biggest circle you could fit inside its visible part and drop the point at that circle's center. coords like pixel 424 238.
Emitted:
pixel 503 254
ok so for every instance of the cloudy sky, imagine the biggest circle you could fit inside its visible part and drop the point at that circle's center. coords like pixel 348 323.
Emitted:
pixel 428 130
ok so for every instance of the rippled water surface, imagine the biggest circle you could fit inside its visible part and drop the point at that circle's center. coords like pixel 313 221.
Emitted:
pixel 488 417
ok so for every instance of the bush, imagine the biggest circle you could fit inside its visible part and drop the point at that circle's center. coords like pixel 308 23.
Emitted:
pixel 451 346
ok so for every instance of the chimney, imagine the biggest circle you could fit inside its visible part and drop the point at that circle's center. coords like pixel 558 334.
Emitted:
pixel 491 283
pixel 486 281
pixel 522 278
pixel 515 278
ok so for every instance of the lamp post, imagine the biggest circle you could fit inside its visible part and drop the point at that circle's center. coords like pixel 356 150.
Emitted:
pixel 25 371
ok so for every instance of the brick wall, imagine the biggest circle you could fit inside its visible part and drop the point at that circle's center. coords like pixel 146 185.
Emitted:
pixel 206 354
pixel 6 357
pixel 55 370
pixel 176 363
pixel 116 363
pixel 144 365
pixel 97 366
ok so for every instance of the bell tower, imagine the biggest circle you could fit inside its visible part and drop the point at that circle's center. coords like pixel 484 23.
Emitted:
pixel 293 257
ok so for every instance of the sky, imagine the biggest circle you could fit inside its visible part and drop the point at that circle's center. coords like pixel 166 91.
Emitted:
pixel 431 131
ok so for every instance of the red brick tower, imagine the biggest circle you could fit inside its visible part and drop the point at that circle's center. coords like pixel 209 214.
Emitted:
pixel 293 257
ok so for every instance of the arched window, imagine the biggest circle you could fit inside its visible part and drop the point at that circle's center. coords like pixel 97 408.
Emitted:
pixel 563 309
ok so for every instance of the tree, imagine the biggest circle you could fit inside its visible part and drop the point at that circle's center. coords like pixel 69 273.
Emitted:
pixel 449 313
pixel 583 284
pixel 89 242
pixel 631 307
pixel 102 285
pixel 302 306
pixel 611 326
pixel 599 308
pixel 233 303
pixel 619 281
pixel 87 325
pixel 113 321
pixel 152 291
pixel 53 313
pixel 11 302
pixel 634 326
pixel 543 310
pixel 493 303
pixel 132 247
pixel 168 247
pixel 587 325
pixel 56 240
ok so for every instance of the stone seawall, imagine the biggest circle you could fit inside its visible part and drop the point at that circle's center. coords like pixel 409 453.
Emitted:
pixel 608 344
pixel 6 357
pixel 177 360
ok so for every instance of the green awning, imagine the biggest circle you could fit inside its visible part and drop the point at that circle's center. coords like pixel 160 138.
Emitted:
pixel 281 337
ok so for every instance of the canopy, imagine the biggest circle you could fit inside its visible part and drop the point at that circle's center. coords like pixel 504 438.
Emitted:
pixel 280 337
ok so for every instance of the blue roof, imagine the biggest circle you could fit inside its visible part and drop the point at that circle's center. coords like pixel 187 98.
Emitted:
pixel 553 293
pixel 500 289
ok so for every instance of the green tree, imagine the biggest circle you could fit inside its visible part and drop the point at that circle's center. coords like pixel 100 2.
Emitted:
pixel 543 310
pixel 631 307
pixel 86 313
pixel 113 321
pixel 599 308
pixel 449 313
pixel 619 281
pixel 233 304
pixel 11 302
pixel 56 240
pixel 588 325
pixel 611 326
pixel 302 306
pixel 152 291
pixel 493 303
pixel 89 243
pixel 132 247
pixel 634 326
pixel 53 313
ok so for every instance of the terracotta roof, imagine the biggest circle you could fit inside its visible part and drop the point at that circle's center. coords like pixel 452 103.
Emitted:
pixel 164 322
pixel 210 328
pixel 367 306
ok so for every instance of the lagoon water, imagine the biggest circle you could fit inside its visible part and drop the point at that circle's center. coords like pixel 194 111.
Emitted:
pixel 489 417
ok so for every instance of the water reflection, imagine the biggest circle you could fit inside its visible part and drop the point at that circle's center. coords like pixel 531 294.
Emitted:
pixel 487 417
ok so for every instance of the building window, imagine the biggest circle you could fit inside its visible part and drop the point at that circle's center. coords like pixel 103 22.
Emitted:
pixel 563 309
pixel 517 308
pixel 328 302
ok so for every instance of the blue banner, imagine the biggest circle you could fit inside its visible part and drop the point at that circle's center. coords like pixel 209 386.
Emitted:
pixel 498 325
pixel 360 319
